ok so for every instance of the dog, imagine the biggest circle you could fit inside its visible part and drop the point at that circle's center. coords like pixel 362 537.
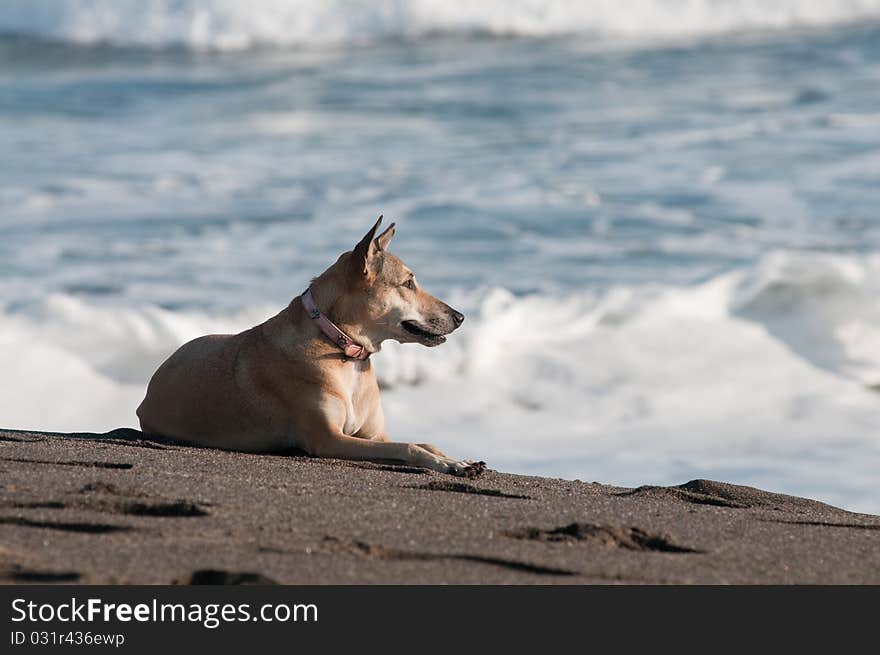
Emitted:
pixel 303 379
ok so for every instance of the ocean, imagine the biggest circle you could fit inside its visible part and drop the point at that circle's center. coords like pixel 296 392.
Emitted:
pixel 660 217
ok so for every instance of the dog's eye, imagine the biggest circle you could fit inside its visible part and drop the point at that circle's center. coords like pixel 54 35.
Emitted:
pixel 410 284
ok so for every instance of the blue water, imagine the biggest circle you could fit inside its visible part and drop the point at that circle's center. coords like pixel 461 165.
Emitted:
pixel 700 215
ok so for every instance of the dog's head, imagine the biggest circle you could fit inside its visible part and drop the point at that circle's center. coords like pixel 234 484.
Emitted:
pixel 386 301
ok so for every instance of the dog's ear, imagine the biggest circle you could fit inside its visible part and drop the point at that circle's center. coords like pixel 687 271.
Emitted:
pixel 365 250
pixel 384 239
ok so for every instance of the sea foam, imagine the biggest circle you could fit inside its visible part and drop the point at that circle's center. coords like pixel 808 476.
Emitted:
pixel 235 25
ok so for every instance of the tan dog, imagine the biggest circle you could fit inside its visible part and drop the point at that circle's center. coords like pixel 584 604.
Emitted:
pixel 285 384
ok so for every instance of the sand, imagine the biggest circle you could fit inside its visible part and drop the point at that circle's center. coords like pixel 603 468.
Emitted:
pixel 118 508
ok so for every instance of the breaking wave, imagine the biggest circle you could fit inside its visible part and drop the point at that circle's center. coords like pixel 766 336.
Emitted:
pixel 236 25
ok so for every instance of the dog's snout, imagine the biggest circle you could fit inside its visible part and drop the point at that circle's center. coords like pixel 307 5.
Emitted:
pixel 457 317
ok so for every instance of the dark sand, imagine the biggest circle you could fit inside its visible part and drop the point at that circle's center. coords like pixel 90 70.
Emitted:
pixel 117 508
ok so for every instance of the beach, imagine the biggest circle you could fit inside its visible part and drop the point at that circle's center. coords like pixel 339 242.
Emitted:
pixel 118 508
pixel 661 224
pixel 658 217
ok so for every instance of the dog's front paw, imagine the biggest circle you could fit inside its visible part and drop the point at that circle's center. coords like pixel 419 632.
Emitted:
pixel 467 469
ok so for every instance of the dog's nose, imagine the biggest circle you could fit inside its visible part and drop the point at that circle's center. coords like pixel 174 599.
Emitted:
pixel 458 317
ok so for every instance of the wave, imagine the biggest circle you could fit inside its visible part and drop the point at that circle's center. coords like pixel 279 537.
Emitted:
pixel 819 309
pixel 236 25
pixel 770 371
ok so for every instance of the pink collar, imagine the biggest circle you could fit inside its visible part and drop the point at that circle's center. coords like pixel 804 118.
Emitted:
pixel 337 336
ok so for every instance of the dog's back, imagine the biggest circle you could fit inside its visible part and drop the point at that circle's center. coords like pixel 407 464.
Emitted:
pixel 199 394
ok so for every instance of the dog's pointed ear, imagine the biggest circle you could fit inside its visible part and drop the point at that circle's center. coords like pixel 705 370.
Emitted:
pixel 384 239
pixel 365 250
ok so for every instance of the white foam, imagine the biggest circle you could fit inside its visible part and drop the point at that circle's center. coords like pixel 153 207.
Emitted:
pixel 759 376
pixel 235 25
pixel 69 365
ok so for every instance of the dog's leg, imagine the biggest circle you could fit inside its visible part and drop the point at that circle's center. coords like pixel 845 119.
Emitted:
pixel 432 449
pixel 342 446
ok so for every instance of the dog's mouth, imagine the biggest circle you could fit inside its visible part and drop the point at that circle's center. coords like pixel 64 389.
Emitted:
pixel 424 336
